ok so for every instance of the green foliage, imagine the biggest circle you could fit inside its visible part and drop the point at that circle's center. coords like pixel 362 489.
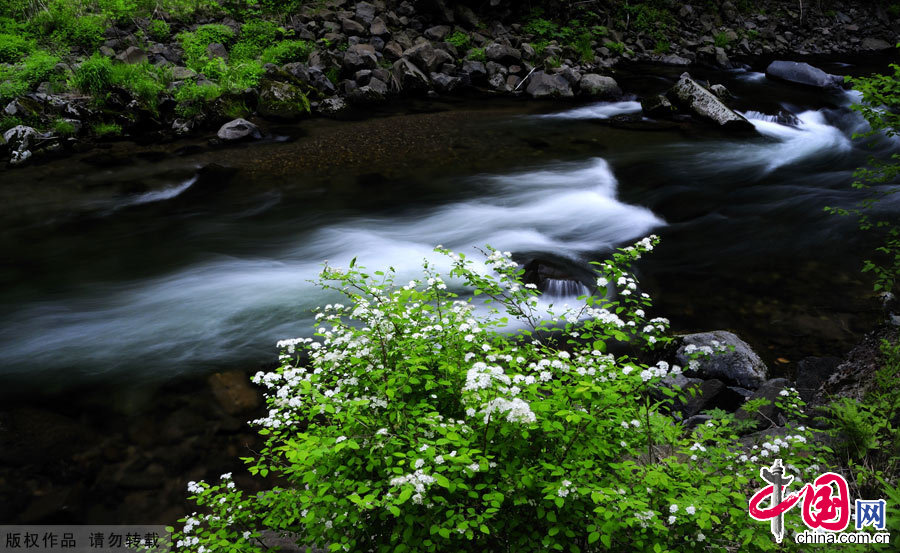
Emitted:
pixel 333 74
pixel 460 39
pixel 118 10
pixel 159 30
pixel 663 47
pixel 477 54
pixel 256 36
pixel 416 423
pixel 287 51
pixel 19 79
pixel 584 47
pixel 94 75
pixel 63 127
pixel 9 121
pixel 191 97
pixel 880 106
pixel 13 48
pixel 721 40
pixel 195 44
pixel 241 76
pixel 146 82
pixel 615 47
pixel 107 129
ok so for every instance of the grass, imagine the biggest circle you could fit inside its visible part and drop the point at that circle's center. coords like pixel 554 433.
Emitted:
pixel 107 129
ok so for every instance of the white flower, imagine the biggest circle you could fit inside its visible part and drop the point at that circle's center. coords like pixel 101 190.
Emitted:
pixel 474 467
pixel 690 509
pixel 635 423
pixel 340 439
pixel 784 393
pixel 419 463
pixel 672 519
pixel 700 536
pixel 673 508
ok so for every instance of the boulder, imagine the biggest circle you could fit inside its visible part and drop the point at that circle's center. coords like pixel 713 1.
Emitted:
pixel 378 27
pixel 360 56
pixel 732 360
pixel 239 129
pixel 427 57
pixel 181 73
pixel 473 72
pixel 352 27
pixel 216 50
pixel 690 95
pixel 20 140
pixel 801 73
pixel 437 33
pixel 674 59
pixel 544 85
pixel 444 83
pixel 365 12
pixel 501 53
pixel 409 77
pixel 23 107
pixel 375 91
pixel 657 107
pixel 875 44
pixel 599 86
pixel 278 100
pixel 709 394
pixel 332 106
pixel 132 54
pixel 812 372
pixel 721 92
pixel 768 414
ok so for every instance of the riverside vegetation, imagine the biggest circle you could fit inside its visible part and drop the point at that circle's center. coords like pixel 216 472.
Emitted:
pixel 78 70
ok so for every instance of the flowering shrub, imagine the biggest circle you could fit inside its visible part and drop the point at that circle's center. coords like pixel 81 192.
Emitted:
pixel 414 423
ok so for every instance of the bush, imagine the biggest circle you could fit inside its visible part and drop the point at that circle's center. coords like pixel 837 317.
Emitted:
pixel 417 424
pixel 94 75
pixel 159 30
pixel 13 48
pixel 721 40
pixel 615 47
pixel 146 82
pixel 287 51
pixel 195 43
pixel 63 127
pixel 118 10
pixel 460 39
pixel 477 54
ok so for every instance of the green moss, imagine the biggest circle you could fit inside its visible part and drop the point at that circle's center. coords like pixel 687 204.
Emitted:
pixel 159 30
pixel 287 51
pixel 477 54
pixel 13 48
pixel 107 129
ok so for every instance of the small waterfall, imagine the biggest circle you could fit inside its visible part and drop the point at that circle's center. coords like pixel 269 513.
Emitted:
pixel 564 288
pixel 601 110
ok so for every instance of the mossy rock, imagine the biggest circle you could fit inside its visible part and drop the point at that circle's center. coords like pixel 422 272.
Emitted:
pixel 280 100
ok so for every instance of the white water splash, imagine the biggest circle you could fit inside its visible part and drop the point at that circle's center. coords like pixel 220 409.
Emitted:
pixel 602 110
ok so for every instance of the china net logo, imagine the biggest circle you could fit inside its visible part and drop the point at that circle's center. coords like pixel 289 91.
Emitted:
pixel 824 508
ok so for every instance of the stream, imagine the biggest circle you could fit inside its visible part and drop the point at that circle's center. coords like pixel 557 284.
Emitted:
pixel 130 264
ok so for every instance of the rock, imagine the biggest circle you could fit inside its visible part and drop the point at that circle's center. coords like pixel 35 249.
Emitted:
pixel 239 129
pixel 740 366
pixel 132 55
pixel 812 372
pixel 352 27
pixel 181 73
pixel 708 395
pixel 182 126
pixel 409 77
pixel 674 59
pixel 721 92
pixel 216 50
pixel 375 91
pixel 20 140
pixel 768 414
pixel 232 389
pixel 466 16
pixel 378 27
pixel 437 33
pixel 365 12
pixel 657 107
pixel 875 44
pixel 425 56
pixel 501 53
pixel 278 100
pixel 360 56
pixel 332 106
pixel 473 72
pixel 23 107
pixel 687 93
pixel 599 86
pixel 544 85
pixel 444 83
pixel 393 50
pixel 801 73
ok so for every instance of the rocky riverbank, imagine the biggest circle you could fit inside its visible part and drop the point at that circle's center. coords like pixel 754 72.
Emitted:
pixel 356 54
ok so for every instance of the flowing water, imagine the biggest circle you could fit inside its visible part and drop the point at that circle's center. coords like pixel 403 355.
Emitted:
pixel 131 265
